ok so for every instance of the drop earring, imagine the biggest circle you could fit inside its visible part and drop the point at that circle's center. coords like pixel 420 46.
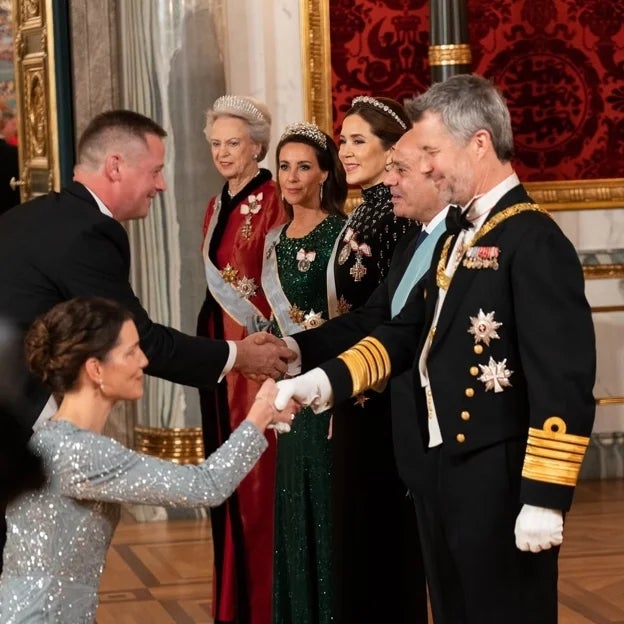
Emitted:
pixel 321 192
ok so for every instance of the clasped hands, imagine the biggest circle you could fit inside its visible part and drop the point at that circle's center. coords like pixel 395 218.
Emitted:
pixel 262 355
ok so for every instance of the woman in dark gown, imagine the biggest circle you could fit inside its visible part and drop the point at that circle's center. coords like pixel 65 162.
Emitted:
pixel 377 559
pixel 313 186
pixel 235 225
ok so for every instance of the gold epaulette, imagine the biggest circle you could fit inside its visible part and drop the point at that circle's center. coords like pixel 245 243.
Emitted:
pixel 369 365
pixel 552 455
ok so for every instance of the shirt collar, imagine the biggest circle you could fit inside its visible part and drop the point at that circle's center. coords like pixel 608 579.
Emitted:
pixel 100 204
pixel 483 204
pixel 439 217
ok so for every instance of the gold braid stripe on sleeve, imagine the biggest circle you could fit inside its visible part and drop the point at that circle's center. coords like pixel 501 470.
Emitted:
pixel 369 365
pixel 552 455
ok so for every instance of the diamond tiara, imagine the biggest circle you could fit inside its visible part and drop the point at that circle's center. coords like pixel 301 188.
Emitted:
pixel 232 104
pixel 309 130
pixel 384 108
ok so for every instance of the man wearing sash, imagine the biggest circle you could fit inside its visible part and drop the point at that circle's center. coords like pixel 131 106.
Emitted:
pixel 500 342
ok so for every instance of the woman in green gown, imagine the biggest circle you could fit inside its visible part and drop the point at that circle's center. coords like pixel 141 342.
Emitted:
pixel 313 187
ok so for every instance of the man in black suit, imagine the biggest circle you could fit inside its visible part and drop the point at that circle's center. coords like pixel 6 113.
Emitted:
pixel 72 243
pixel 9 167
pixel 501 345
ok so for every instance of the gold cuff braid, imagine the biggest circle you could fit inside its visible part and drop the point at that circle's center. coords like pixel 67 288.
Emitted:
pixel 552 455
pixel 369 365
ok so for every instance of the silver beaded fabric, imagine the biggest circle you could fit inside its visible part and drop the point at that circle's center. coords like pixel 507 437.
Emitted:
pixel 57 537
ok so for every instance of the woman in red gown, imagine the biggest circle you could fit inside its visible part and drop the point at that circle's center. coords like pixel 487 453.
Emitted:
pixel 235 225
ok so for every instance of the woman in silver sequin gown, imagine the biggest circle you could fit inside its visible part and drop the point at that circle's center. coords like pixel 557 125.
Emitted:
pixel 87 350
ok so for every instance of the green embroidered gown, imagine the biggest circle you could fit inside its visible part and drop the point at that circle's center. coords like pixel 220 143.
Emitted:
pixel 302 581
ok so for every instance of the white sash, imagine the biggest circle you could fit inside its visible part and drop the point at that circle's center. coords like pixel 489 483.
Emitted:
pixel 272 286
pixel 332 295
pixel 231 301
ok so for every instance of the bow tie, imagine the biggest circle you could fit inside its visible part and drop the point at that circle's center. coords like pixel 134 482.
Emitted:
pixel 456 220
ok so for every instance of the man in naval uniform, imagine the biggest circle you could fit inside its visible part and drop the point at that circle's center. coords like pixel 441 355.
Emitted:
pixel 501 346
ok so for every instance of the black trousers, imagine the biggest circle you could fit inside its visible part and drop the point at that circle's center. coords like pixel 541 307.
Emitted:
pixel 466 514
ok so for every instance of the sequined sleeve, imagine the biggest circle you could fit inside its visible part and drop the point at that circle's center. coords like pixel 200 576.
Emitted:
pixel 95 467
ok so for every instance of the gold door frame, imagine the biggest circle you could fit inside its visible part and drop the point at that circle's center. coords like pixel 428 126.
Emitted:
pixel 35 92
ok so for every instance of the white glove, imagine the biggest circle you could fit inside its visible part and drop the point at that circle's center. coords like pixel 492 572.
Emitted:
pixel 538 528
pixel 313 389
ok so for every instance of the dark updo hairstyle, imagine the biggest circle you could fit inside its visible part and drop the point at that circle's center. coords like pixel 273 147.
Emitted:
pixel 335 188
pixel 60 341
pixel 384 125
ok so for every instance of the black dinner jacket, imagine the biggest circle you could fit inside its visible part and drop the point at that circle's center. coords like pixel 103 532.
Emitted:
pixel 546 338
pixel 59 246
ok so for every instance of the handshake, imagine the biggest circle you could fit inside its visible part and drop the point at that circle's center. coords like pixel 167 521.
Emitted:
pixel 310 390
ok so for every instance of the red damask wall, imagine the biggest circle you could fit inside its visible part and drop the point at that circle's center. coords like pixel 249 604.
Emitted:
pixel 559 63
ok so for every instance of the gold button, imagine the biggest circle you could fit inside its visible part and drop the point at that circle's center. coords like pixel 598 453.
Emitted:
pixel 469 392
pixel 478 349
pixel 465 415
pixel 474 371
pixel 460 437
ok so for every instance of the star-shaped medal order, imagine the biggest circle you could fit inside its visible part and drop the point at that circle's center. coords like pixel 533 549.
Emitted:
pixel 360 400
pixel 483 327
pixel 247 287
pixel 495 375
pixel 313 319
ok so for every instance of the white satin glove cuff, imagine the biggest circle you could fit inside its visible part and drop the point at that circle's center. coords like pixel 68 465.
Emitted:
pixel 538 528
pixel 313 389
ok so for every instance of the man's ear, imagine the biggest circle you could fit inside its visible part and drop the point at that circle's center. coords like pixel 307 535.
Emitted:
pixel 112 167
pixel 483 141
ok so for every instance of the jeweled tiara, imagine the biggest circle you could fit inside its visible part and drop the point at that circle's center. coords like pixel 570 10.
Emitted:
pixel 384 108
pixel 237 104
pixel 308 130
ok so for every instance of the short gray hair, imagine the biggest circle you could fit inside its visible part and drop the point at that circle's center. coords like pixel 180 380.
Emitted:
pixel 467 103
pixel 253 112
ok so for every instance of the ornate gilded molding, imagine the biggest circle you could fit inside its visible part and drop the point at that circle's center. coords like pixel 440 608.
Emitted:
pixel 181 445
pixel 603 271
pixel 450 54
pixel 36 96
pixel 615 400
pixel 578 194
pixel 316 61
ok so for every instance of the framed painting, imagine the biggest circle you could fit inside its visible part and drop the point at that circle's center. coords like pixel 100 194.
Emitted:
pixel 558 64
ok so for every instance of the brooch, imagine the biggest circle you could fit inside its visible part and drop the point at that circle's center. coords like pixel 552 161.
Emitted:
pixel 305 259
pixel 343 305
pixel 358 270
pixel 483 327
pixel 245 286
pixel 481 258
pixel 308 320
pixel 248 211
pixel 495 375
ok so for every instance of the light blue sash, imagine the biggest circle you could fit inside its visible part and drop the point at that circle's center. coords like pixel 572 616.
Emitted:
pixel 418 266
pixel 231 301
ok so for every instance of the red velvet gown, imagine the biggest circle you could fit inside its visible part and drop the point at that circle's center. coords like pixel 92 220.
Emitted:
pixel 242 528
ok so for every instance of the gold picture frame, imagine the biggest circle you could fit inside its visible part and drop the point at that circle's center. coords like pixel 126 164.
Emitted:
pixel 316 58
